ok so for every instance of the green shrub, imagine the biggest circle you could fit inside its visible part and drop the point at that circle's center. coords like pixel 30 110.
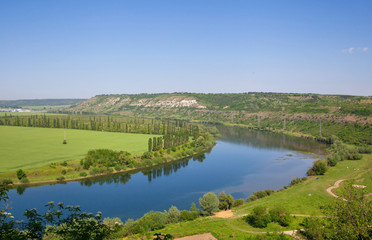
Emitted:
pixel 173 215
pixel 258 218
pixel 295 181
pixel 281 216
pixel 63 171
pixel 189 215
pixel 146 155
pixel 7 181
pixel 25 180
pixel 238 202
pixel 252 198
pixel 83 174
pixel 95 171
pixel 20 174
pixel 61 178
pixel 319 168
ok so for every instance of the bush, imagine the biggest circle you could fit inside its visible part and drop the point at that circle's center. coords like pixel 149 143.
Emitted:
pixel 114 223
pixel 63 172
pixel 20 174
pixel 209 203
pixel 238 202
pixel 25 180
pixel 258 218
pixel 83 174
pixel 62 178
pixel 146 155
pixel 252 198
pixel 281 216
pixel 174 215
pixel 319 168
pixel 189 215
pixel 260 194
pixel 7 181
pixel 295 181
pixel 95 171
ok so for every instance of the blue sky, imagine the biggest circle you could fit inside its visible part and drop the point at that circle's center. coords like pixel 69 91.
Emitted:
pixel 78 49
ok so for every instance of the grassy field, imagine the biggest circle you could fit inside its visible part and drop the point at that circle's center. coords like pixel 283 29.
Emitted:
pixel 28 148
pixel 305 198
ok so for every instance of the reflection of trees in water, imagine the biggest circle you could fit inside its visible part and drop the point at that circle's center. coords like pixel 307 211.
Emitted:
pixel 122 178
pixel 264 139
pixel 151 173
pixel 21 189
pixel 170 168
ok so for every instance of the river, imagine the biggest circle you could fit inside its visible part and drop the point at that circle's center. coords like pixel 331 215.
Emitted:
pixel 242 162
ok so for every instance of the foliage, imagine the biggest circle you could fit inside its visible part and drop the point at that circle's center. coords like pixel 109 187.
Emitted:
pixel 159 236
pixel 280 215
pixel 319 168
pixel 149 222
pixel 189 215
pixel 208 203
pixel 20 174
pixel 260 194
pixel 65 223
pixel 258 218
pixel 238 202
pixel 348 219
pixel 174 215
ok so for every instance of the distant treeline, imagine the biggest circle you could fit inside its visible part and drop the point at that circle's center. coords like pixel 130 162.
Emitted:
pixel 173 130
pixel 38 102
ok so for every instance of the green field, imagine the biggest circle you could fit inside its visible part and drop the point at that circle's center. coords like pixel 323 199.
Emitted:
pixel 27 148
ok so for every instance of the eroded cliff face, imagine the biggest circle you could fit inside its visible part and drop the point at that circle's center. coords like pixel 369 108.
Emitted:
pixel 102 104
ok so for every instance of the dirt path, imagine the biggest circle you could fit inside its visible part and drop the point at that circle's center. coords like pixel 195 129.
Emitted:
pixel 336 185
pixel 205 236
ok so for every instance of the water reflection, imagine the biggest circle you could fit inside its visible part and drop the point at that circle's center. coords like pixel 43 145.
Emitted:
pixel 269 140
pixel 170 168
pixel 122 178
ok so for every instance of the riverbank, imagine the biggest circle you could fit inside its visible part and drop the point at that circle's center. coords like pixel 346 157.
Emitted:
pixel 302 200
pixel 52 174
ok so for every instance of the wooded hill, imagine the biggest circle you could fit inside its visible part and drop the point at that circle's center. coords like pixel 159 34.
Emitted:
pixel 247 102
pixel 320 116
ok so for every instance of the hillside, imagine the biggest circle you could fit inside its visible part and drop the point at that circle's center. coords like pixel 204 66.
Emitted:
pixel 247 102
pixel 320 116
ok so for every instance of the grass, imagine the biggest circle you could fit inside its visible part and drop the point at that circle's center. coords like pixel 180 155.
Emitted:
pixel 304 198
pixel 28 148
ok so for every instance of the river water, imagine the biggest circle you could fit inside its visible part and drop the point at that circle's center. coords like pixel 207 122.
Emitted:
pixel 242 162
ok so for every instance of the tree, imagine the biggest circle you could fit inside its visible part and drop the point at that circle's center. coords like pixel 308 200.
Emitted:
pixel 209 203
pixel 230 201
pixel 20 174
pixel 150 145
pixel 223 204
pixel 350 217
pixel 174 215
pixel 193 208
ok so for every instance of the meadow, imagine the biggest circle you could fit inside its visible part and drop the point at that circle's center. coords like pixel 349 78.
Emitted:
pixel 26 148
pixel 306 198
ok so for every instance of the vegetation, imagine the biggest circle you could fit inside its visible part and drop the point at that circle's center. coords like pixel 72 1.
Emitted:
pixel 59 222
pixel 105 149
pixel 312 115
pixel 208 203
pixel 29 148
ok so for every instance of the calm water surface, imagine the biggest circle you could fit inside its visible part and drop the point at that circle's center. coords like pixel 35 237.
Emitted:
pixel 242 162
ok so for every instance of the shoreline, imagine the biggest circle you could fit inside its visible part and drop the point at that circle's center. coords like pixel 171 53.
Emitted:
pixel 55 181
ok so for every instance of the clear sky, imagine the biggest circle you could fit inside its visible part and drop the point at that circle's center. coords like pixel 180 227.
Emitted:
pixel 78 49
